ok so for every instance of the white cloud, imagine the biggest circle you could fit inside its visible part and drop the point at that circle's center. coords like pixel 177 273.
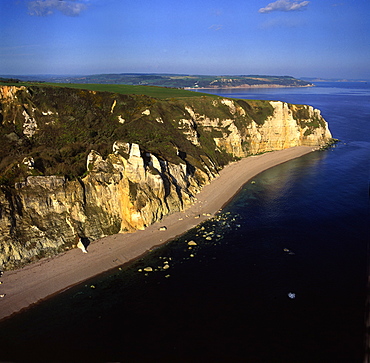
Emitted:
pixel 283 5
pixel 48 7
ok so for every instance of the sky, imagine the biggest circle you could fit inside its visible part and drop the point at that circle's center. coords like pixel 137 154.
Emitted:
pixel 316 38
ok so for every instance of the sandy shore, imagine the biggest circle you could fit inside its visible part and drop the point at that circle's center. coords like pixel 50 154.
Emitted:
pixel 35 282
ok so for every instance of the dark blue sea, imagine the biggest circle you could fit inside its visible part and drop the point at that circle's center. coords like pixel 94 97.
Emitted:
pixel 279 276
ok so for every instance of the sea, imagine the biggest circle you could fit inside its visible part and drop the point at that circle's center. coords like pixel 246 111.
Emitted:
pixel 279 275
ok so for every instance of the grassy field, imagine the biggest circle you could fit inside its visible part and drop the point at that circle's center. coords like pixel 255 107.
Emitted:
pixel 151 91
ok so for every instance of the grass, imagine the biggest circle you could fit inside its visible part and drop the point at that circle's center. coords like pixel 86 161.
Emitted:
pixel 151 91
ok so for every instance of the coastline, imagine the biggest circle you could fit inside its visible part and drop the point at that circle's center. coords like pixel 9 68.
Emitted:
pixel 250 86
pixel 38 281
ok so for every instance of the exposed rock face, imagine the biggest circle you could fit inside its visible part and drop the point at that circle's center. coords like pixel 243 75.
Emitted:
pixel 280 130
pixel 133 185
pixel 8 93
pixel 46 214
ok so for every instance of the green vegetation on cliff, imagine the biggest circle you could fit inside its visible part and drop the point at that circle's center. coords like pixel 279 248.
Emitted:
pixel 70 122
pixel 54 128
pixel 305 119
pixel 151 91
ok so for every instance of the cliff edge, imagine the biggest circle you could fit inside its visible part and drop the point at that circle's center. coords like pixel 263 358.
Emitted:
pixel 78 164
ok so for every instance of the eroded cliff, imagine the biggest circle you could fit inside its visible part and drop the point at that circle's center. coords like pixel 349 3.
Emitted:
pixel 81 164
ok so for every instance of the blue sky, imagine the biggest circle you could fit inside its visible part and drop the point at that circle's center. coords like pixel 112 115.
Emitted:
pixel 316 38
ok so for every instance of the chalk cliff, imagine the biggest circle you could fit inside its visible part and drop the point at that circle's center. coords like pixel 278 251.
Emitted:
pixel 80 164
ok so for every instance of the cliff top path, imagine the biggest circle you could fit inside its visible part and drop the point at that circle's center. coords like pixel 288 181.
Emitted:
pixel 35 282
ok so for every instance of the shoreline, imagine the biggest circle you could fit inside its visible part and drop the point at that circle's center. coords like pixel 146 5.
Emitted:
pixel 27 286
pixel 249 87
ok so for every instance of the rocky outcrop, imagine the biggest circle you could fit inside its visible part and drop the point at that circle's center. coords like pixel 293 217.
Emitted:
pixel 116 176
pixel 283 129
pixel 8 93
pixel 47 214
pixel 286 126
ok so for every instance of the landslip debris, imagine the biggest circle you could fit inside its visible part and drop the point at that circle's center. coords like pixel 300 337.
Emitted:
pixel 210 232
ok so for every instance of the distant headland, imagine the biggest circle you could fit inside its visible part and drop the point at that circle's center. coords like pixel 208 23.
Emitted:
pixel 175 80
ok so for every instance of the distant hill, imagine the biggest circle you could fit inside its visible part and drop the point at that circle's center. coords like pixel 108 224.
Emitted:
pixel 177 80
pixel 9 80
pixel 318 79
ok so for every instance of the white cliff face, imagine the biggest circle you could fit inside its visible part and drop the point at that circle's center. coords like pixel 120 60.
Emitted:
pixel 280 130
pixel 120 146
pixel 8 93
pixel 231 140
pixel 230 103
pixel 93 159
pixel 135 169
pixel 29 125
pixel 316 135
pixel 230 137
pixel 188 127
pixel 118 195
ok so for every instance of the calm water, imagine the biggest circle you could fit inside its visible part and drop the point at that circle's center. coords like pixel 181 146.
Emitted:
pixel 299 230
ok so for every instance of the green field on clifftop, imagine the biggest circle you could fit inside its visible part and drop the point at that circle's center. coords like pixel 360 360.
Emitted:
pixel 151 91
